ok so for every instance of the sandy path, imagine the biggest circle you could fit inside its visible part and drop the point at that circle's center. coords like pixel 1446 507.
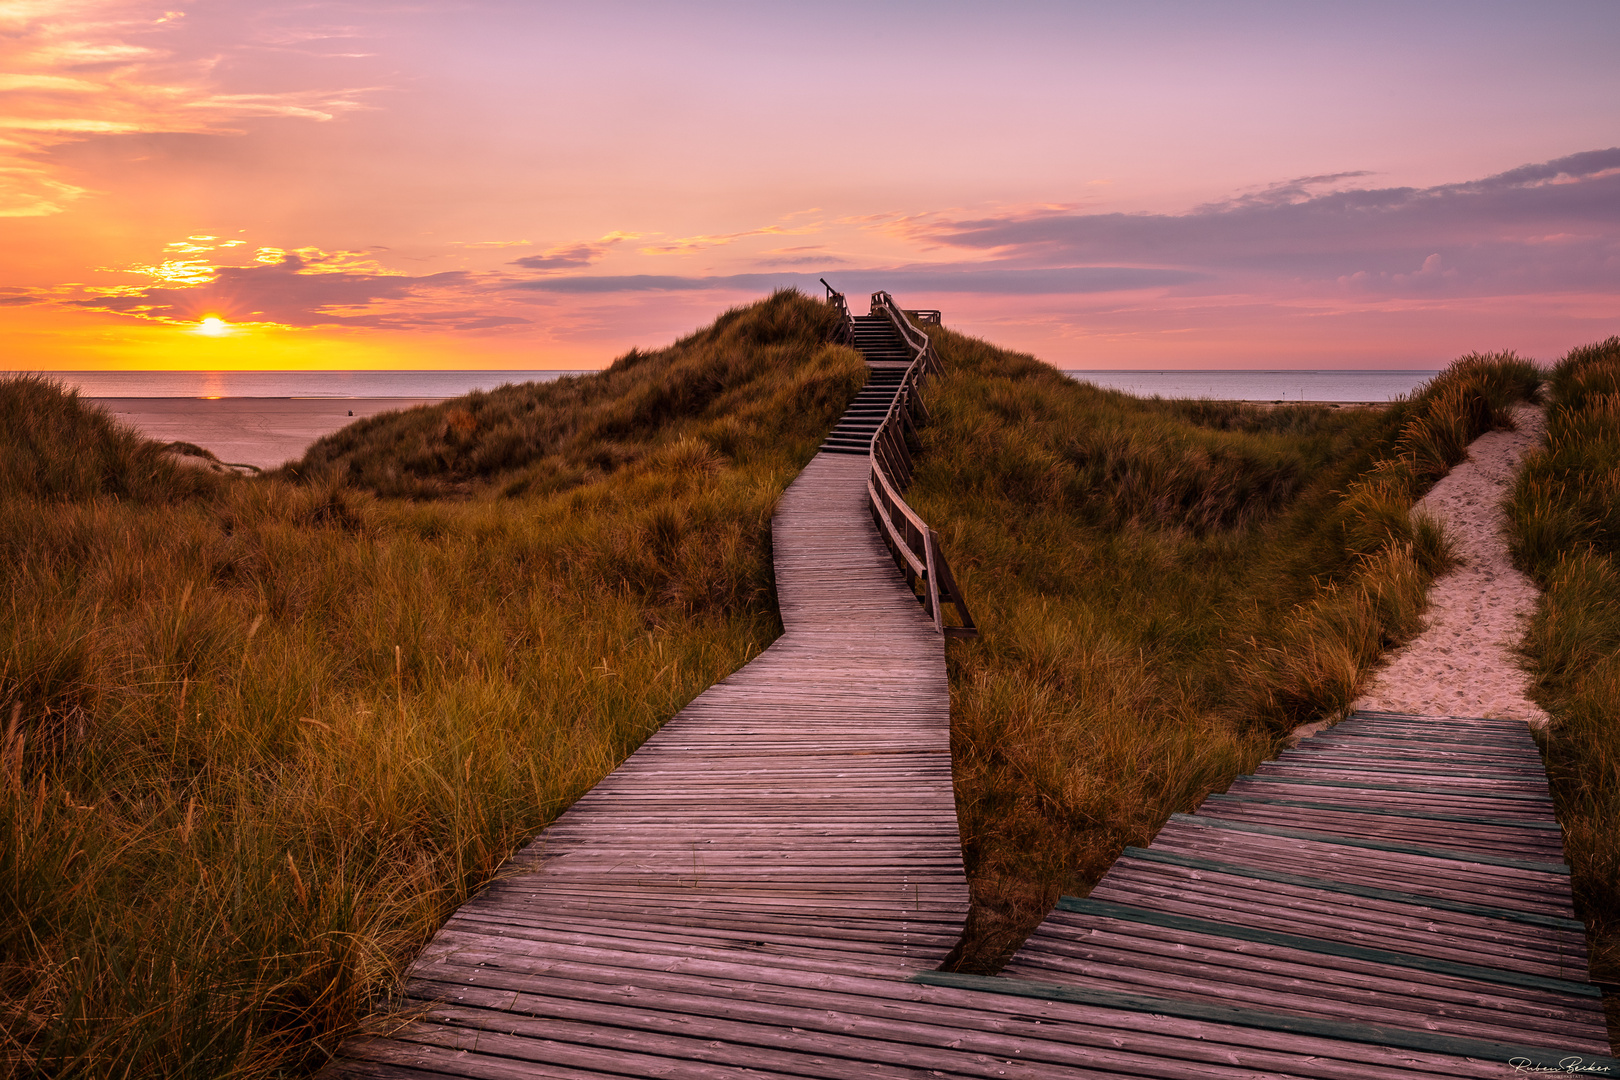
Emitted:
pixel 1463 663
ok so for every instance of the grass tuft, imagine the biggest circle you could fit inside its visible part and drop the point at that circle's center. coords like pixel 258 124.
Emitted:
pixel 1565 532
pixel 56 449
pixel 757 369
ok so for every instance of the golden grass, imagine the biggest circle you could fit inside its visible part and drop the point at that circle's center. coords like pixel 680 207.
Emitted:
pixel 258 737
pixel 1565 514
pixel 1164 591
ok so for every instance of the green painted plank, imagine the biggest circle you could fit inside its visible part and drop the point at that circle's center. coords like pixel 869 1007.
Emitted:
pixel 1524 1058
pixel 1483 721
pixel 1298 760
pixel 1268 778
pixel 1426 815
pixel 1372 845
pixel 1526 745
pixel 1503 766
pixel 1193 862
pixel 1234 931
pixel 1387 723
pixel 1473 756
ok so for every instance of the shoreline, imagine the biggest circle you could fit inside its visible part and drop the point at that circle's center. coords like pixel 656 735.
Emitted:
pixel 266 432
pixel 262 432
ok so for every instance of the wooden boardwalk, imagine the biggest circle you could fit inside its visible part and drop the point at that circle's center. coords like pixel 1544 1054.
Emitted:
pixel 796 821
pixel 767 886
pixel 1389 900
pixel 1395 880
pixel 764 889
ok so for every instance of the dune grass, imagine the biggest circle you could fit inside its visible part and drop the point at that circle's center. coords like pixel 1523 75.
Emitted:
pixel 1164 590
pixel 722 386
pixel 259 736
pixel 1565 515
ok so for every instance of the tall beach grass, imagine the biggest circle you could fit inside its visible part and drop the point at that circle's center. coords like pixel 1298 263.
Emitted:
pixel 259 736
pixel 1565 515
pixel 1165 590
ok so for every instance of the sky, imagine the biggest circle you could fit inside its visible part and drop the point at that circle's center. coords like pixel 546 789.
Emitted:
pixel 531 185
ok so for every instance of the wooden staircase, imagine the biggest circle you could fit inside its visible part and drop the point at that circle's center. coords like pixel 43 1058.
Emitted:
pixel 888 355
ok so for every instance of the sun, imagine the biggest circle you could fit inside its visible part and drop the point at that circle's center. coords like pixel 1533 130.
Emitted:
pixel 213 326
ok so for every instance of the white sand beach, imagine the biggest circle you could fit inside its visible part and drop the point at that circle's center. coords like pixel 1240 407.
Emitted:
pixel 263 432
pixel 1464 662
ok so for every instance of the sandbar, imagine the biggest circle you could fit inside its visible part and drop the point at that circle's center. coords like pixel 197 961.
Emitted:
pixel 263 432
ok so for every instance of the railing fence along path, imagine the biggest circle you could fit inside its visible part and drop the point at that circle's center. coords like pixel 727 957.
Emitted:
pixel 893 346
pixel 765 888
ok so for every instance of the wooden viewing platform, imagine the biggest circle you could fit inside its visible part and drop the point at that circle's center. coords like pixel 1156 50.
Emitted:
pixel 767 886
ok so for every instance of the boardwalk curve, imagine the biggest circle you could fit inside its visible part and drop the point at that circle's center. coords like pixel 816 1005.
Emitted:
pixel 766 887
pixel 798 816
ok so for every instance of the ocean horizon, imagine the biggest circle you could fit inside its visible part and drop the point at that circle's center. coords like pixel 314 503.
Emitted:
pixel 1333 385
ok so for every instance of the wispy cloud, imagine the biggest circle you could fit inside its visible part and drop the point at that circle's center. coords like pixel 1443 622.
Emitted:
pixel 685 245
pixel 480 244
pixel 298 290
pixel 573 256
pixel 105 67
pixel 959 278
pixel 803 255
pixel 1548 226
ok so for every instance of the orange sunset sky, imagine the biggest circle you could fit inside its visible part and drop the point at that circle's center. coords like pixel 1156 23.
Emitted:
pixel 534 185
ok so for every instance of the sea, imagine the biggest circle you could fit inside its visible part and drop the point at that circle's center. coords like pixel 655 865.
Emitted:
pixel 1239 385
pixel 1257 385
pixel 294 384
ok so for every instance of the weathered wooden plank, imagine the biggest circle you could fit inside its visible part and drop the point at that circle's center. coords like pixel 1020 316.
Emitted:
pixel 1385 809
pixel 1535 1058
pixel 849 1003
pixel 1532 799
pixel 1297 909
pixel 1325 946
pixel 927 1040
pixel 1352 889
pixel 1398 1005
pixel 1451 880
pixel 1422 850
pixel 1302 984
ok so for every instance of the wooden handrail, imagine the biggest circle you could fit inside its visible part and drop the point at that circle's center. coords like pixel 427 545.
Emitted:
pixel 845 334
pixel 911 541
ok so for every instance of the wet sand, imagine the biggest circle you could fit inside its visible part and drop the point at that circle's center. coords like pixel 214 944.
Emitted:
pixel 264 432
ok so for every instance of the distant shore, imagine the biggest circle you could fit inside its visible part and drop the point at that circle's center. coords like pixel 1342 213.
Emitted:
pixel 268 431
pixel 262 432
